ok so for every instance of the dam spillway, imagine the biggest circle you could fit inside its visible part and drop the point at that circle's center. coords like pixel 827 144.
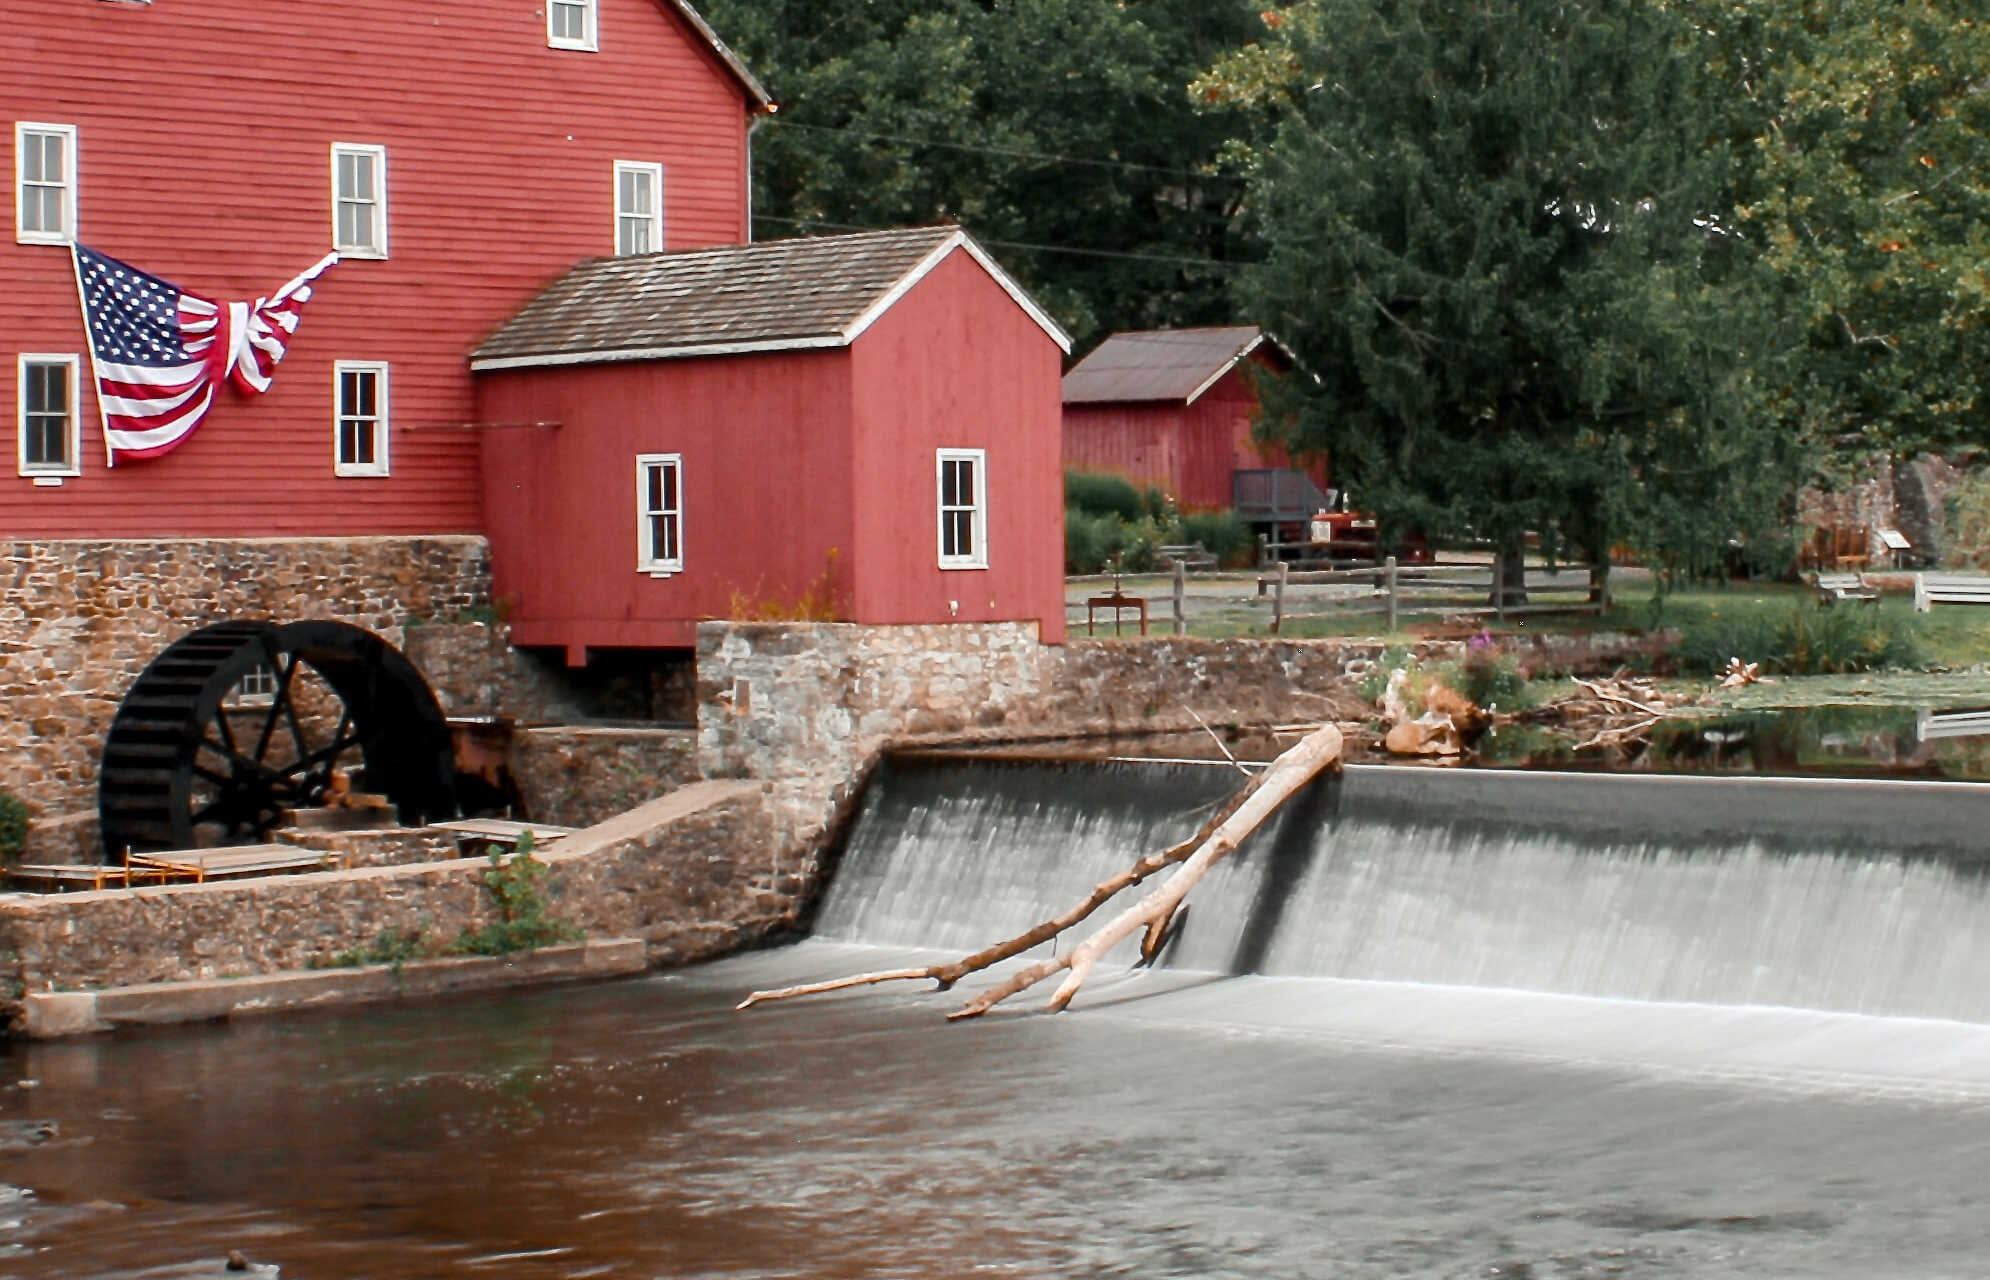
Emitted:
pixel 1843 896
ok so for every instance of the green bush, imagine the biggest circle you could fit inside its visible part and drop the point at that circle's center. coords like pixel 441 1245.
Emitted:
pixel 1803 640
pixel 525 913
pixel 1103 495
pixel 1091 541
pixel 13 828
pixel 1221 534
pixel 1490 678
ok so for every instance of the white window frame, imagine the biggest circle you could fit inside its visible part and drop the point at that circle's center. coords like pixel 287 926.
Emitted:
pixel 978 524
pixel 73 466
pixel 23 131
pixel 377 467
pixel 653 219
pixel 647 562
pixel 377 246
pixel 590 37
pixel 256 688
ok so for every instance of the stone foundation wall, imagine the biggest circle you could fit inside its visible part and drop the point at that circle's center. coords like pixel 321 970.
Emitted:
pixel 577 776
pixel 694 874
pixel 80 619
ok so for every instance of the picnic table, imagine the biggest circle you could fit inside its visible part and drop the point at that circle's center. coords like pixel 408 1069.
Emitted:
pixel 503 833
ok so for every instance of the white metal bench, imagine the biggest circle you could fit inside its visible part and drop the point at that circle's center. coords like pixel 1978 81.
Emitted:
pixel 1931 589
pixel 1833 587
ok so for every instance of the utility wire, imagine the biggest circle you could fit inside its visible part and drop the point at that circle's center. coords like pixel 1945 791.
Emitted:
pixel 1015 153
pixel 1023 245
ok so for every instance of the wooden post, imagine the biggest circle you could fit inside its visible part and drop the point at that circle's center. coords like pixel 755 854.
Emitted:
pixel 1389 589
pixel 1499 586
pixel 1599 584
pixel 1278 597
pixel 1181 590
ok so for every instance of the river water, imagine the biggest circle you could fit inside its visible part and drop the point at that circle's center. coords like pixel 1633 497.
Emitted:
pixel 1418 1102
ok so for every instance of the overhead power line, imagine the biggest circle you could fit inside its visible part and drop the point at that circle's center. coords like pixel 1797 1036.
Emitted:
pixel 1014 153
pixel 1024 246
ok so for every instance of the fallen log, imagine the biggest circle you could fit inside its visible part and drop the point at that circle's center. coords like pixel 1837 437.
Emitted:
pixel 1243 813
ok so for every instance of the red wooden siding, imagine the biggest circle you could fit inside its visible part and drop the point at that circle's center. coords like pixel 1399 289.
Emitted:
pixel 499 160
pixel 803 471
pixel 956 364
pixel 767 474
pixel 1188 451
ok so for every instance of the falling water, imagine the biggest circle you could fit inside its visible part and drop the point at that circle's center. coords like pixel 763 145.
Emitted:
pixel 1855 897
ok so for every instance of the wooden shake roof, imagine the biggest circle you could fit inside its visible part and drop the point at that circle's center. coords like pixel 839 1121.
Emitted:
pixel 1159 364
pixel 780 295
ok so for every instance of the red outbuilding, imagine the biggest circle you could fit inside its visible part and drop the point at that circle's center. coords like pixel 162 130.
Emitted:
pixel 1173 409
pixel 860 427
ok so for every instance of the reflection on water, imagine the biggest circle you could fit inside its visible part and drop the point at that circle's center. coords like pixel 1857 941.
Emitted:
pixel 1899 742
pixel 642 1129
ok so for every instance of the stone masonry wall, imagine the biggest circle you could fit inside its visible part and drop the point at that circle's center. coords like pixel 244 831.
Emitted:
pixel 577 776
pixel 80 619
pixel 693 874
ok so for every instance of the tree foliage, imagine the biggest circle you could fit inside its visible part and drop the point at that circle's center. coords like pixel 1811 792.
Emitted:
pixel 1865 128
pixel 1491 251
pixel 1058 131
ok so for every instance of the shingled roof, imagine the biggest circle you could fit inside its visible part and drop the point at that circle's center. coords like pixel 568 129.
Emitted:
pixel 781 295
pixel 1159 364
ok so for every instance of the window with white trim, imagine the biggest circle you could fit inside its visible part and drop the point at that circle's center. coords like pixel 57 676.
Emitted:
pixel 660 513
pixel 44 183
pixel 570 24
pixel 359 199
pixel 963 483
pixel 47 391
pixel 256 688
pixel 360 443
pixel 638 207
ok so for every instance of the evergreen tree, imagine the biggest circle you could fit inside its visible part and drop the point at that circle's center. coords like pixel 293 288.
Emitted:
pixel 1496 245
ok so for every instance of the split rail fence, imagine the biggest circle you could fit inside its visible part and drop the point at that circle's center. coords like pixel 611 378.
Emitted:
pixel 1449 588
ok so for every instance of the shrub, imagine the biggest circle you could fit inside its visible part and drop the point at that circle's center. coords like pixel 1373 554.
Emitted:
pixel 1102 495
pixel 13 828
pixel 1091 541
pixel 1489 677
pixel 1800 641
pixel 525 917
pixel 1221 533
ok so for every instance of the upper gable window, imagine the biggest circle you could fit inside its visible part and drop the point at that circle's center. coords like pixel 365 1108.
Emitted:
pixel 359 200
pixel 44 183
pixel 638 207
pixel 570 24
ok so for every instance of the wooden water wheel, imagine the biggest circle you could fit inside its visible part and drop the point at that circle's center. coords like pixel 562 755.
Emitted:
pixel 238 721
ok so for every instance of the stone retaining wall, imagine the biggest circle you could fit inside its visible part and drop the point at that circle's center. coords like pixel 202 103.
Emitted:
pixel 80 619
pixel 693 874
pixel 580 775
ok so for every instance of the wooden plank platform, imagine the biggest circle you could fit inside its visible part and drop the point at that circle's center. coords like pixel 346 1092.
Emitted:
pixel 201 865
pixel 503 832
pixel 61 876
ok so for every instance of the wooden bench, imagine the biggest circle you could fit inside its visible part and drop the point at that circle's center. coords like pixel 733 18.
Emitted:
pixel 1931 589
pixel 1834 587
pixel 1192 557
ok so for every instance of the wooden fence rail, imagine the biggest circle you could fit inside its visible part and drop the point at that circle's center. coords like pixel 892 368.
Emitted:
pixel 1450 588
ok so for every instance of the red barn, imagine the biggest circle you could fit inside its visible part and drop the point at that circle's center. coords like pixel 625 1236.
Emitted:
pixel 458 153
pixel 1173 408
pixel 860 427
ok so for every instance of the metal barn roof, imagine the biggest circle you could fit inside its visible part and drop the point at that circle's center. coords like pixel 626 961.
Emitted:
pixel 781 295
pixel 1159 364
